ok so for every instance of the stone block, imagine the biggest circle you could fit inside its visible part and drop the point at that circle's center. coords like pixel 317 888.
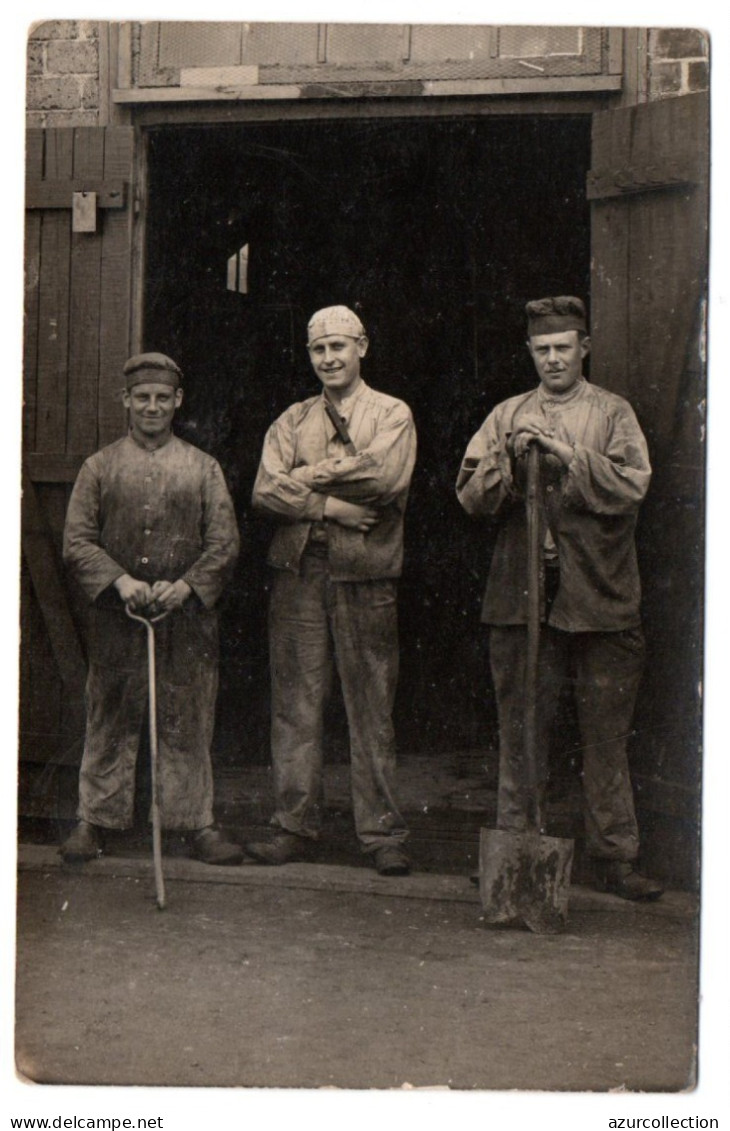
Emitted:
pixel 63 119
pixel 666 78
pixel 698 75
pixel 55 29
pixel 89 94
pixel 53 94
pixel 79 57
pixel 680 43
pixel 36 53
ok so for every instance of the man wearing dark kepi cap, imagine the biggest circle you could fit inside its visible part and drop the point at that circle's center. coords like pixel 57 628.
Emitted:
pixel 334 474
pixel 594 473
pixel 150 526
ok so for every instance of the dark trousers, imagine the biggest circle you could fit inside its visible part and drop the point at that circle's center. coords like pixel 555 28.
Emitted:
pixel 605 669
pixel 317 625
pixel 117 691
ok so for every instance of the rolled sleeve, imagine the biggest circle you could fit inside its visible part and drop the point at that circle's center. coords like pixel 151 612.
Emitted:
pixel 277 491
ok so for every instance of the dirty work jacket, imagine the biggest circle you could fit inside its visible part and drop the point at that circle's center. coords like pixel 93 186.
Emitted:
pixel 156 515
pixel 303 461
pixel 590 507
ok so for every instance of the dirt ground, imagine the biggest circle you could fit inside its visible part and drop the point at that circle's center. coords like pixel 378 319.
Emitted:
pixel 282 978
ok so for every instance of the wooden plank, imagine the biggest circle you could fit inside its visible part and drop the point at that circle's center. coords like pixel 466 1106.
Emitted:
pixel 207 94
pixel 588 84
pixel 54 467
pixel 42 689
pixel 668 235
pixel 219 76
pixel 230 112
pixel 57 194
pixel 609 266
pixel 649 312
pixel 114 309
pixel 124 54
pixel 615 50
pixel 640 177
pixel 85 308
pixel 54 304
pixel 26 656
pixel 40 556
pixel 34 167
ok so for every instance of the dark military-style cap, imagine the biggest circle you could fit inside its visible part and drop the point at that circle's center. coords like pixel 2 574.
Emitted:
pixel 554 315
pixel 152 368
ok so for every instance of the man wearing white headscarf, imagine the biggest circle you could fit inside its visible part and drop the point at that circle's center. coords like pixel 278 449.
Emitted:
pixel 335 473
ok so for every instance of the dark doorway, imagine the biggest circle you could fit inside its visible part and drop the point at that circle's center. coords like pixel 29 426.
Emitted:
pixel 437 232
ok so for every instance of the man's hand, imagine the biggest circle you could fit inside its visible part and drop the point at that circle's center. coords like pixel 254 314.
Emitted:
pixel 136 594
pixel 168 596
pixel 303 474
pixel 350 514
pixel 535 429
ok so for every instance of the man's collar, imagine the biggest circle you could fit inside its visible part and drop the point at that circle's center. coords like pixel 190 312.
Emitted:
pixel 561 398
pixel 150 447
pixel 346 405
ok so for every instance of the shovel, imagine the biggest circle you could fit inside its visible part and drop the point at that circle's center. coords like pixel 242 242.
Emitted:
pixel 149 624
pixel 524 876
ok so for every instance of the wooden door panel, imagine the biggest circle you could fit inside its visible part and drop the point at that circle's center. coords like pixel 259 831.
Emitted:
pixel 76 339
pixel 648 188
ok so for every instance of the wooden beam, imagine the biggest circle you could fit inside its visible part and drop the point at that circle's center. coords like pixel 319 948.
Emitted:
pixel 58 194
pixel 601 184
pixel 235 112
pixel 53 467
pixel 333 89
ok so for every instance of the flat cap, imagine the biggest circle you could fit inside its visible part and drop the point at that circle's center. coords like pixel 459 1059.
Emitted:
pixel 334 320
pixel 554 315
pixel 150 368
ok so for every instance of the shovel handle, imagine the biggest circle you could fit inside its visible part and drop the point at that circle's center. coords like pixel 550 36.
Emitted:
pixel 533 631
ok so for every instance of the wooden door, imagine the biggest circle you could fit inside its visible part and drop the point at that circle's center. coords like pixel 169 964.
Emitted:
pixel 76 339
pixel 648 187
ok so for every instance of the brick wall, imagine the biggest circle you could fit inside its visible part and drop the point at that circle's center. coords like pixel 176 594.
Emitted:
pixel 63 87
pixel 678 62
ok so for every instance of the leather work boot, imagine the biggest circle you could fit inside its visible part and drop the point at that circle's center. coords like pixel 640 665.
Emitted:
pixel 285 848
pixel 210 846
pixel 621 878
pixel 391 860
pixel 83 844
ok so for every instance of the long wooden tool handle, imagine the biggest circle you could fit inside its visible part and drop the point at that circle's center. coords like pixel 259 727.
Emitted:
pixel 149 623
pixel 155 806
pixel 533 634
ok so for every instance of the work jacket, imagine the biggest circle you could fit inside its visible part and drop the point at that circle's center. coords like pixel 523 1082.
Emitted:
pixel 161 514
pixel 589 507
pixel 304 460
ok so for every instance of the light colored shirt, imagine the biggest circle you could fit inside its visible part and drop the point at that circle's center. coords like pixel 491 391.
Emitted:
pixel 304 460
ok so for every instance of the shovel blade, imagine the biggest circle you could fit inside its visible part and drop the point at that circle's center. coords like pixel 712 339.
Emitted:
pixel 524 878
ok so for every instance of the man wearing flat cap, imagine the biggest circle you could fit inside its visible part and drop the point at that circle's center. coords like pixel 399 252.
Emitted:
pixel 150 526
pixel 594 473
pixel 334 474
